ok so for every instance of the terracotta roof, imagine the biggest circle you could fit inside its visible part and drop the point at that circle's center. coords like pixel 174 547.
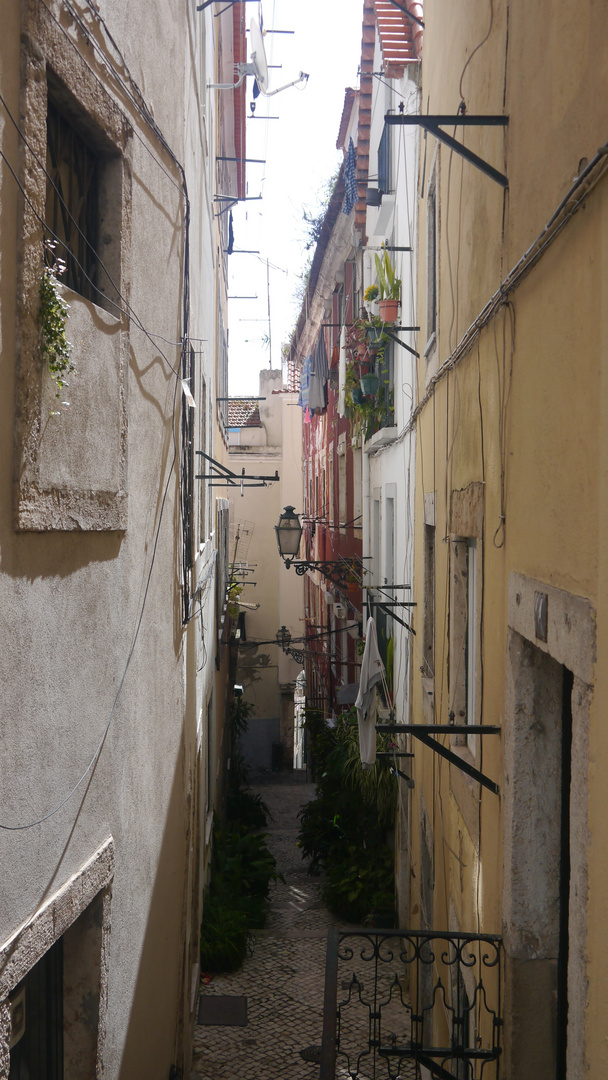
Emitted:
pixel 243 414
pixel 365 110
pixel 400 37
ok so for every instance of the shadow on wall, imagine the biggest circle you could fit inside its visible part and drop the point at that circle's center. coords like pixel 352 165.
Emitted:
pixel 154 1020
pixel 56 554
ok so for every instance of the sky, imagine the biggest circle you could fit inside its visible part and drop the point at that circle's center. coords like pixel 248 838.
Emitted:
pixel 300 156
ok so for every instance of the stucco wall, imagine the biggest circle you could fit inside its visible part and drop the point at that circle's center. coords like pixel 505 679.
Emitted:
pixel 267 674
pixel 521 414
pixel 94 655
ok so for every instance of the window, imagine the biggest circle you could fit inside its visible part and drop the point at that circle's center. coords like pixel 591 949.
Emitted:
pixel 384 161
pixel 376 554
pixel 428 618
pixel 389 542
pixel 223 565
pixel 72 473
pixel 71 202
pixel 342 482
pixel 464 629
pixel 83 197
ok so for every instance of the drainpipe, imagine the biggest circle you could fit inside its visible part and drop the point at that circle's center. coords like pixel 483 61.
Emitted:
pixel 366 506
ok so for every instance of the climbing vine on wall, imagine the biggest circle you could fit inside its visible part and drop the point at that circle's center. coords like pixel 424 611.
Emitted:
pixel 52 318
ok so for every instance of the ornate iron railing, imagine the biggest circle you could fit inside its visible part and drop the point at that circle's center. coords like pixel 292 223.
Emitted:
pixel 400 1000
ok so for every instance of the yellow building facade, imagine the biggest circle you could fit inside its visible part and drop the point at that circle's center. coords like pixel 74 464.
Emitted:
pixel 511 503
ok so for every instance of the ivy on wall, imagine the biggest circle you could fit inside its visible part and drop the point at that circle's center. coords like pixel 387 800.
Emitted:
pixel 52 318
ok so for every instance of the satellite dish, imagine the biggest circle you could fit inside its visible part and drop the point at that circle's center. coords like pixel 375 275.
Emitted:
pixel 258 57
pixel 258 67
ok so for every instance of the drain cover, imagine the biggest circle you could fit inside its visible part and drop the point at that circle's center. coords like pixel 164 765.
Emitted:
pixel 226 1010
pixel 311 1054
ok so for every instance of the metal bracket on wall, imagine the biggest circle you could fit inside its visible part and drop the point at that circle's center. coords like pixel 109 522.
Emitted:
pixel 393 336
pixel 424 733
pixel 220 476
pixel 385 606
pixel 433 124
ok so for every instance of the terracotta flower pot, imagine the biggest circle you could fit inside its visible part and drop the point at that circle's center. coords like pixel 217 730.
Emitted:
pixel 389 310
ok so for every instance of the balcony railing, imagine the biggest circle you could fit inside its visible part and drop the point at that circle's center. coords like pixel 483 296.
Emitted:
pixel 397 1001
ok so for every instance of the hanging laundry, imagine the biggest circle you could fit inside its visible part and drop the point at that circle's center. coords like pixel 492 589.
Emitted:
pixel 319 374
pixel 372 671
pixel 305 383
pixel 350 178
pixel 342 374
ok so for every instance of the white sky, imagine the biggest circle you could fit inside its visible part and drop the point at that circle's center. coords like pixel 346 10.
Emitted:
pixel 300 153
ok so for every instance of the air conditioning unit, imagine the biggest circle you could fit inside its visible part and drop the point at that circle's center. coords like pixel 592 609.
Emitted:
pixel 340 611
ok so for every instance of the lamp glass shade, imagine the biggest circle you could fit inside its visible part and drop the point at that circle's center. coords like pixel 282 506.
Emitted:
pixel 289 531
pixel 283 638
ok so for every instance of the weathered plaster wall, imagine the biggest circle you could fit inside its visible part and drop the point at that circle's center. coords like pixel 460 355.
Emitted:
pixel 73 600
pixel 522 415
pixel 267 674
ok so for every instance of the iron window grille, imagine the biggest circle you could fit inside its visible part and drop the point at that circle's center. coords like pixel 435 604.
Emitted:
pixel 72 202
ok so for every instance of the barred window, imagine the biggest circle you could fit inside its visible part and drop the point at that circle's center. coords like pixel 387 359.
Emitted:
pixel 72 199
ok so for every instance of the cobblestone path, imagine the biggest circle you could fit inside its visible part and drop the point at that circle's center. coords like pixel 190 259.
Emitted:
pixel 283 978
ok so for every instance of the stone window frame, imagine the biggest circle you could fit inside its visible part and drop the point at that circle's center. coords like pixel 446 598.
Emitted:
pixel 466 536
pixel 80 911
pixel 49 60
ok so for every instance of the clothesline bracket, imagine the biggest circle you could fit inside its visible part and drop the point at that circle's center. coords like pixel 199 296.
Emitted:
pixel 387 606
pixel 392 335
pixel 434 124
pixel 425 733
pixel 221 476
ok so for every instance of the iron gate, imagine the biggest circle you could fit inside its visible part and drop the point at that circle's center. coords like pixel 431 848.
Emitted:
pixel 400 1000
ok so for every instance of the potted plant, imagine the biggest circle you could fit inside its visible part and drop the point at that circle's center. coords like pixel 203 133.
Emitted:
pixel 390 288
pixel 369 384
pixel 374 334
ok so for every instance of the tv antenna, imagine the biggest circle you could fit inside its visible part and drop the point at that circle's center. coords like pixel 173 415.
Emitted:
pixel 257 66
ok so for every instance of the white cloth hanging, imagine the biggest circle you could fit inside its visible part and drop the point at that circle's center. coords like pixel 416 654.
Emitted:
pixel 342 374
pixel 372 671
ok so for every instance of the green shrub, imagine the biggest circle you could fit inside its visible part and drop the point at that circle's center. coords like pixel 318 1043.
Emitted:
pixel 360 883
pixel 247 807
pixel 224 934
pixel 242 871
pixel 343 830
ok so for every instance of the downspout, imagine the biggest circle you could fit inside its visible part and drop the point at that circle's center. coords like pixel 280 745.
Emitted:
pixel 366 507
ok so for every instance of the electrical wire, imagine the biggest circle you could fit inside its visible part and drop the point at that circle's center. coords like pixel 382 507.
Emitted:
pixel 145 113
pixel 93 760
pixel 476 49
pixel 565 211
pixel 127 310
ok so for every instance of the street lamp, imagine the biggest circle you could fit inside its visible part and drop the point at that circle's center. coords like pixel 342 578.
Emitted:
pixel 283 638
pixel 284 641
pixel 339 571
pixel 289 532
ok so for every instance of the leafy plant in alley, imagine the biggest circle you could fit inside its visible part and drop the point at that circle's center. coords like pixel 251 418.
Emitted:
pixel 344 830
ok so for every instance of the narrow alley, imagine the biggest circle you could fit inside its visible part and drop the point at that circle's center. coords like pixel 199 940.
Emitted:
pixel 283 977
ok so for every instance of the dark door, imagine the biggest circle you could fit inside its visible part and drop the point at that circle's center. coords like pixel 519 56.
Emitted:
pixel 38 1055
